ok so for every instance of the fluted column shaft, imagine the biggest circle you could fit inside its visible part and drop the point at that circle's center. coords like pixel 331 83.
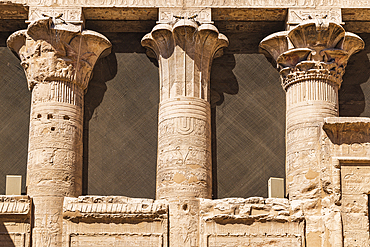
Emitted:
pixel 185 52
pixel 58 59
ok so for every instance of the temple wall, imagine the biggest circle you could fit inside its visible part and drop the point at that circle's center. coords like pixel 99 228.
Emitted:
pixel 218 112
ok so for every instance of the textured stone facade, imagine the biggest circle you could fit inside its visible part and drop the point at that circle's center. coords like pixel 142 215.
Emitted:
pixel 327 157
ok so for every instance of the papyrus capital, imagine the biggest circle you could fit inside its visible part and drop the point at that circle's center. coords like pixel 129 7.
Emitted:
pixel 53 49
pixel 315 45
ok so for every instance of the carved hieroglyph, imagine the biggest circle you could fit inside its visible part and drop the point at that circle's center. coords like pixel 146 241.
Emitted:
pixel 58 59
pixel 311 58
pixel 185 52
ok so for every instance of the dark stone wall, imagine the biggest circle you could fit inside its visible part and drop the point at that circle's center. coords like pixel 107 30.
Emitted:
pixel 120 129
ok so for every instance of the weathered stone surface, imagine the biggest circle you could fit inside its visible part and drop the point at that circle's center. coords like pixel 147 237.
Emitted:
pixel 327 165
pixel 58 59
pixel 345 153
pixel 250 222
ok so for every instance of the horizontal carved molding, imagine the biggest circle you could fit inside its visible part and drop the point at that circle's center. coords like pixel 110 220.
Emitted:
pixel 14 205
pixel 106 206
pixel 200 3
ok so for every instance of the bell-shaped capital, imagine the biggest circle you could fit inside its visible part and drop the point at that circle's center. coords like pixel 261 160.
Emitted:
pixel 55 50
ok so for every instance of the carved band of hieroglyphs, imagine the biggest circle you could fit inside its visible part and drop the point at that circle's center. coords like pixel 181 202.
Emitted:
pixel 54 134
pixel 181 158
pixel 69 14
pixel 355 179
pixel 199 3
pixel 106 205
pixel 202 15
pixel 302 134
pixel 299 159
pixel 297 16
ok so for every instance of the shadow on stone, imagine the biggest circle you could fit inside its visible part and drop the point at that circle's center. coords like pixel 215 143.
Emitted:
pixel 104 70
pixel 351 96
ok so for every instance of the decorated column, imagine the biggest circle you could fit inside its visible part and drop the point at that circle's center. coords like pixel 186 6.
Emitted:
pixel 58 59
pixel 184 51
pixel 311 59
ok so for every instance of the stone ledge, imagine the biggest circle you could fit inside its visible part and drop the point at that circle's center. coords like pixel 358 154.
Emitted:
pixel 14 205
pixel 347 130
pixel 249 209
pixel 113 207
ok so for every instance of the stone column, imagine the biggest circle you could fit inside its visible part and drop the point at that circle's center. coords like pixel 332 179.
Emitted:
pixel 311 59
pixel 58 59
pixel 185 51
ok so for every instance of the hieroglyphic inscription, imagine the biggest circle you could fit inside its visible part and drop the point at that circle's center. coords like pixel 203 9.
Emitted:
pixel 184 155
pixel 202 15
pixel 69 14
pixel 297 16
pixel 355 179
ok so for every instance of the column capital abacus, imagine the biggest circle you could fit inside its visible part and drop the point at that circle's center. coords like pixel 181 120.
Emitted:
pixel 315 49
pixel 54 50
